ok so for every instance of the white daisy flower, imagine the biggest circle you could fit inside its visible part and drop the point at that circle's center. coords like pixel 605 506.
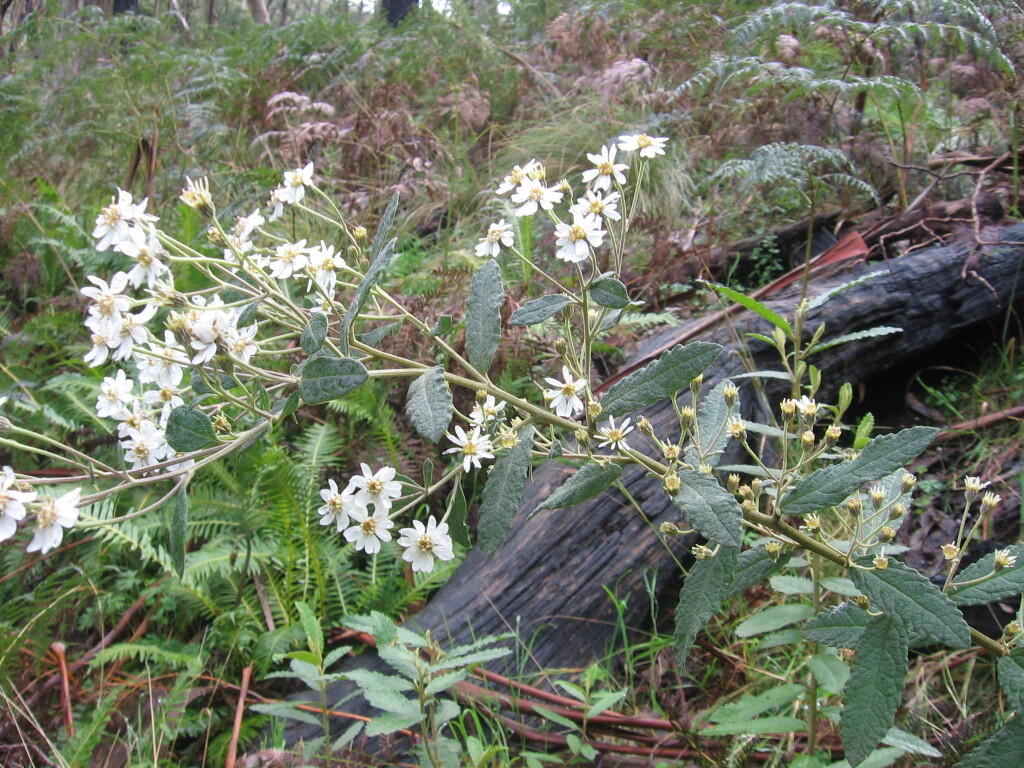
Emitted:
pixel 647 146
pixel 594 203
pixel 532 194
pixel 52 518
pixel 323 265
pixel 574 240
pixel 378 488
pixel 487 411
pixel 115 396
pixel 293 189
pixel 132 331
pixel 12 504
pixel 148 267
pixel 612 436
pixel 291 258
pixel 564 398
pixel 422 543
pixel 473 447
pixel 110 303
pixel 120 221
pixel 605 170
pixel 369 530
pixel 498 234
pixel 337 506
pixel 164 364
pixel 146 445
pixel 515 178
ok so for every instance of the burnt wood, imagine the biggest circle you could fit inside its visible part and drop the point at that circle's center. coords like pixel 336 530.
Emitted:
pixel 549 581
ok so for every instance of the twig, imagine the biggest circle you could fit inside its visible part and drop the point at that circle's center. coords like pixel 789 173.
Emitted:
pixel 65 687
pixel 236 729
pixel 982 422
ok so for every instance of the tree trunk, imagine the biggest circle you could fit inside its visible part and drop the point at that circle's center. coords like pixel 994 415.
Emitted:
pixel 396 10
pixel 258 9
pixel 549 580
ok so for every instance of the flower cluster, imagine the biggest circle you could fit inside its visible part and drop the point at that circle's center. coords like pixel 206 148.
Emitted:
pixel 53 515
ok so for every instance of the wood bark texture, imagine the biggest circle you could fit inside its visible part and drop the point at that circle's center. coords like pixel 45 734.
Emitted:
pixel 551 580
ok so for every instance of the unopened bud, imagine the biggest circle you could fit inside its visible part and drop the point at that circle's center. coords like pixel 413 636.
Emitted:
pixel 747 507
pixel 582 436
pixel 561 345
pixel 877 494
pixel 221 423
pixel 732 484
pixel 887 533
pixel 950 551
pixel 739 431
pixel 670 451
pixel 854 505
pixel 746 492
pixel 670 529
pixel 1011 629
pixel 907 483
pixel 697 383
pixel 881 562
pixel 833 433
pixel 686 417
pixel 481 395
pixel 565 186
pixel 702 552
pixel 1003 559
pixel 989 501
pixel 644 425
pixel 774 550
pixel 593 409
pixel 755 486
pixel 729 393
pixel 812 523
pixel 671 484
pixel 863 601
pixel 807 438
pixel 898 510
pixel 788 408
pixel 216 237
pixel 359 233
pixel 705 469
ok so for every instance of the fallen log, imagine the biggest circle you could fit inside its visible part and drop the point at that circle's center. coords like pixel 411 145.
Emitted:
pixel 553 579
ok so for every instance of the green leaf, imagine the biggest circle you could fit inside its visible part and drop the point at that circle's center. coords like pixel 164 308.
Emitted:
pixel 832 485
pixel 704 589
pixel 709 508
pixel 1011 678
pixel 830 671
pixel 328 378
pixel 503 491
pixel 908 597
pixel 380 257
pixel 311 626
pixel 840 626
pixel 659 379
pixel 457 527
pixel 840 585
pixel 863 434
pixel 792 585
pixel 554 717
pixel 772 618
pixel 540 309
pixel 604 701
pixel 909 743
pixel 846 338
pixel 776 724
pixel 288 711
pixel 1007 582
pixel 470 659
pixel 875 688
pixel 367 678
pixel 712 434
pixel 754 306
pixel 389 722
pixel 447 680
pixel 1000 750
pixel 429 406
pixel 821 298
pixel 314 334
pixel 483 315
pixel 178 535
pixel 587 482
pixel 189 429
pixel 286 406
pixel 442 326
pixel 609 292
pixel 754 566
pixel 749 707
pixel 375 336
pixel 247 315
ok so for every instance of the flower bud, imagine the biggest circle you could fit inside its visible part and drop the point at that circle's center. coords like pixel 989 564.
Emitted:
pixel 582 436
pixel 755 486
pixel 732 484
pixel 739 431
pixel 593 409
pixel 215 236
pixel 1003 559
pixel 747 507
pixel 788 408
pixel 746 492
pixel 1011 629
pixel 697 383
pixel 907 483
pixel 898 510
pixel 705 469
pixel 196 194
pixel 989 501
pixel 812 523
pixel 561 345
pixel 671 484
pixel 887 533
pixel 702 552
pixel 854 505
pixel 807 438
pixel 972 487
pixel 950 551
pixel 565 186
pixel 863 601
pixel 881 562
pixel 670 451
pixel 729 393
pixel 833 433
pixel 359 233
pixel 774 550
pixel 669 529
pixel 644 425
pixel 221 423
pixel 481 395
pixel 877 494
pixel 686 417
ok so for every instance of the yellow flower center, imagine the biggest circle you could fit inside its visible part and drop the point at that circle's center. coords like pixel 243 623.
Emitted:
pixel 289 253
pixel 614 435
pixel 568 389
pixel 106 304
pixel 141 449
pixel 369 526
pixel 374 487
pixel 47 514
pixel 111 215
pixel 335 503
pixel 596 206
pixel 425 543
pixel 327 264
pixel 166 394
pixel 145 258
pixel 536 193
pixel 644 141
pixel 469 449
pixel 606 169
pixel 577 233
